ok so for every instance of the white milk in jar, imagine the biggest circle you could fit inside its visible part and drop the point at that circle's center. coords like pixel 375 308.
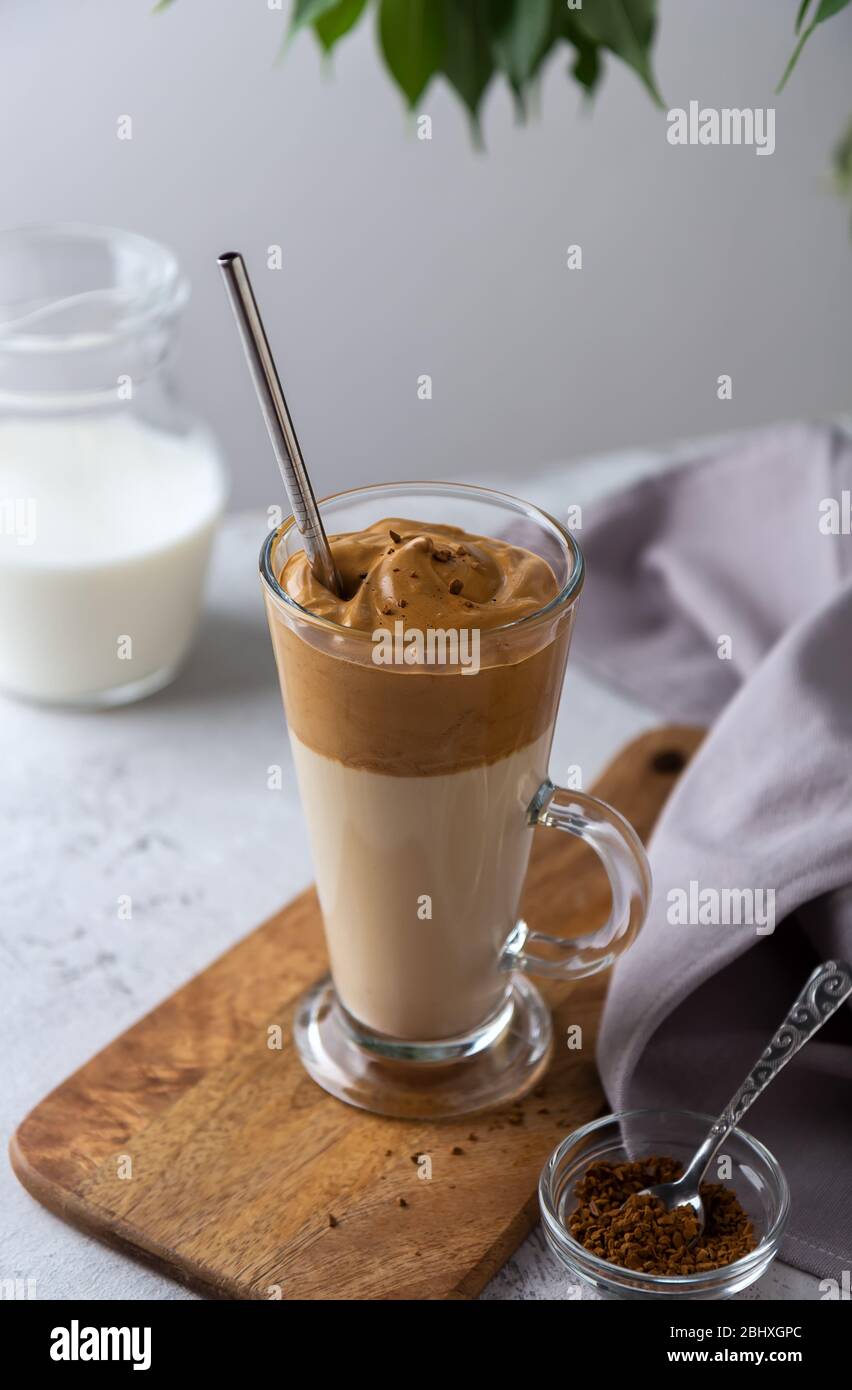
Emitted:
pixel 105 530
pixel 109 493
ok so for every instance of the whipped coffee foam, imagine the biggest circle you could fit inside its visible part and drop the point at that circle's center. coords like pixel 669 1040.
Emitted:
pixel 425 575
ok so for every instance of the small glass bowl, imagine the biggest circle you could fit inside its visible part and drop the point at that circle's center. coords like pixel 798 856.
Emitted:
pixel 756 1178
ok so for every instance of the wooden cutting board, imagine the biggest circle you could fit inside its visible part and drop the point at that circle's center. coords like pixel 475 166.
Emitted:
pixel 189 1144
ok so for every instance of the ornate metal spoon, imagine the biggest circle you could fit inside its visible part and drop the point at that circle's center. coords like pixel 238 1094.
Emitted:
pixel 824 992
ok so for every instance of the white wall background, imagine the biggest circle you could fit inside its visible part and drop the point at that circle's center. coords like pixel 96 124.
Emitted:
pixel 404 257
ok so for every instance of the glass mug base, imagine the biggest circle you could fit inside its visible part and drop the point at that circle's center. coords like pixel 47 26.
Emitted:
pixel 494 1066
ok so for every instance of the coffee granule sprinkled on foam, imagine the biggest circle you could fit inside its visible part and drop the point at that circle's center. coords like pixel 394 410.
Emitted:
pixel 456 586
pixel 615 1223
pixel 394 535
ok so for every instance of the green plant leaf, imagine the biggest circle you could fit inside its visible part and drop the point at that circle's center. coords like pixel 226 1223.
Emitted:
pixel 800 17
pixel 468 63
pixel 626 28
pixel 334 23
pixel 308 12
pixel 412 37
pixel 841 162
pixel 162 5
pixel 586 68
pixel 520 37
pixel 825 10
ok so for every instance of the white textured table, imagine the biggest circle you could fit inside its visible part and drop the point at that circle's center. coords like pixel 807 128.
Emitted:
pixel 167 801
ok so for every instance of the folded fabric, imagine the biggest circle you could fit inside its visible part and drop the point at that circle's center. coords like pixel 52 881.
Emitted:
pixel 721 592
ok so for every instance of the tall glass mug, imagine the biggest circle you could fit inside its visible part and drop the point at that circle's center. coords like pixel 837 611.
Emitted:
pixel 422 782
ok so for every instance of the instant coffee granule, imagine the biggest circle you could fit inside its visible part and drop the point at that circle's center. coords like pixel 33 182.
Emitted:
pixel 615 1223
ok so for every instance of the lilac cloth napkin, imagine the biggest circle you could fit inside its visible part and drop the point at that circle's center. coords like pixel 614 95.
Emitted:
pixel 739 546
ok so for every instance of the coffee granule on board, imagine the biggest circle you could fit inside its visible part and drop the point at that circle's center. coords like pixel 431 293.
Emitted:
pixel 615 1223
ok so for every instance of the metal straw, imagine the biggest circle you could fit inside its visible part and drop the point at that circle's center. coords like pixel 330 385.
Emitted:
pixel 278 421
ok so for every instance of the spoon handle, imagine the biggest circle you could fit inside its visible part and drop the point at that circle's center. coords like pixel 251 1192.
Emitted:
pixel 823 993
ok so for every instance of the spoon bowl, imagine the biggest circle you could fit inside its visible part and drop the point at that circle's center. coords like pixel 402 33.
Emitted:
pixel 677 1194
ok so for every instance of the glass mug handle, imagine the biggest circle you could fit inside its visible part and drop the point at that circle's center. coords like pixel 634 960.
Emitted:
pixel 623 856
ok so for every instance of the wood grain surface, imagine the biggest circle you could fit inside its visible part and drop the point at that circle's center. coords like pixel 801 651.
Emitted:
pixel 190 1144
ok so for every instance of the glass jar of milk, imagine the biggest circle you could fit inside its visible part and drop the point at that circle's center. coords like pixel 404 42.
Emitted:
pixel 109 491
